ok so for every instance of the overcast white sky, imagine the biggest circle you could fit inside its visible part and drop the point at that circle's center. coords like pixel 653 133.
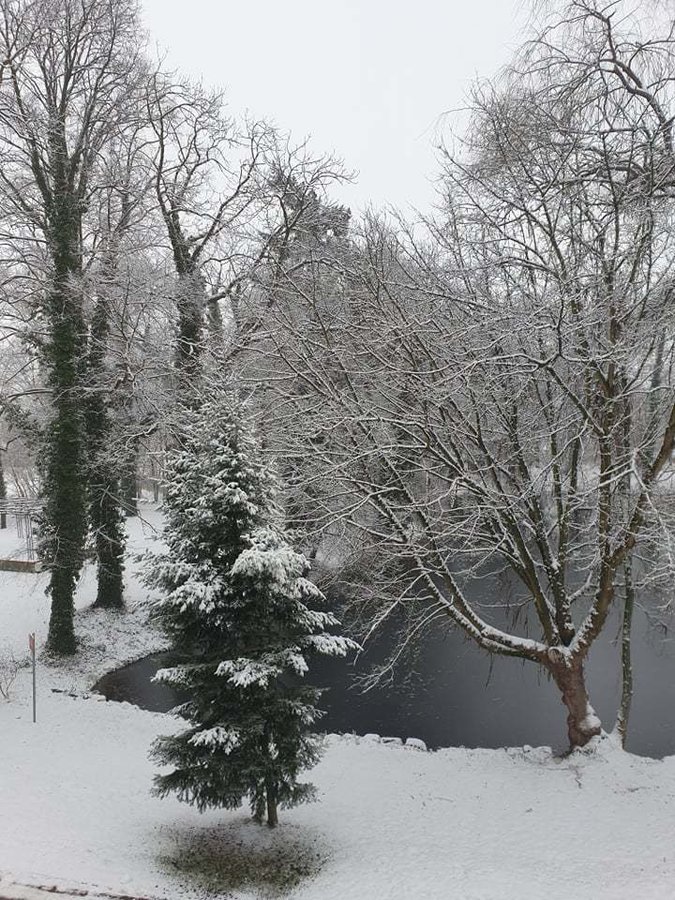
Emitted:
pixel 366 79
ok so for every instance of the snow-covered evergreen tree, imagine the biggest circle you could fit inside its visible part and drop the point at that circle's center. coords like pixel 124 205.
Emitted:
pixel 242 615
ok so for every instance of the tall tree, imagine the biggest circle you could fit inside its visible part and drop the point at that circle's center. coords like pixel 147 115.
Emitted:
pixel 241 612
pixel 206 185
pixel 481 395
pixel 66 74
pixel 304 249
pixel 118 223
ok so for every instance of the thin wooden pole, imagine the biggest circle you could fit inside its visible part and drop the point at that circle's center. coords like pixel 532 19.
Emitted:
pixel 31 644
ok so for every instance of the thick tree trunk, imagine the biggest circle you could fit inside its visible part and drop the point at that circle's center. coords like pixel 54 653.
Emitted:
pixel 271 794
pixel 65 466
pixel 582 722
pixel 65 469
pixel 104 484
pixel 106 521
pixel 189 342
pixel 66 521
pixel 61 637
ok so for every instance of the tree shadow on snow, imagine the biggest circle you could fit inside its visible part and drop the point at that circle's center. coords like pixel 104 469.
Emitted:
pixel 244 856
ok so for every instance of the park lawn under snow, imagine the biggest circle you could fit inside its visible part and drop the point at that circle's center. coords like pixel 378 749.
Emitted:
pixel 392 822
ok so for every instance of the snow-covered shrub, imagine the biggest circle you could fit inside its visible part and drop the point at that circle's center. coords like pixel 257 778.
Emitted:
pixel 9 669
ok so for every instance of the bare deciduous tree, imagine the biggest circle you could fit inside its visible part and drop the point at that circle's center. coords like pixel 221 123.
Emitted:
pixel 207 186
pixel 494 391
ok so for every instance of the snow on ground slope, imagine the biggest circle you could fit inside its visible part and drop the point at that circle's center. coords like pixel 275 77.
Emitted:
pixel 392 822
pixel 107 639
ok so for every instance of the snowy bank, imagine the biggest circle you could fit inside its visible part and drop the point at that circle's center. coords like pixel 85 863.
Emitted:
pixel 108 639
pixel 392 822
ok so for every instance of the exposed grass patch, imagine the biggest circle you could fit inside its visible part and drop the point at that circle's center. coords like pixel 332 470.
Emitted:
pixel 244 856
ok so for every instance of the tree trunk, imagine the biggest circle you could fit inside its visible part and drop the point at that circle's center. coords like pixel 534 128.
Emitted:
pixel 104 483
pixel 61 637
pixel 156 476
pixel 65 464
pixel 189 343
pixel 582 723
pixel 626 662
pixel 623 715
pixel 106 521
pixel 271 793
pixel 215 320
pixel 65 475
pixel 129 482
pixel 3 492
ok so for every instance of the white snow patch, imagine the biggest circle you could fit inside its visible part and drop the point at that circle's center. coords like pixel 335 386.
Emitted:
pixel 245 672
pixel 225 739
pixel 590 722
pixel 77 809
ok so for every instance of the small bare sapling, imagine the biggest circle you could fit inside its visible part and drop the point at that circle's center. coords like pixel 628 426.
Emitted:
pixel 9 669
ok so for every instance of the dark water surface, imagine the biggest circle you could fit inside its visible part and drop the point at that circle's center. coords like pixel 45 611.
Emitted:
pixel 459 696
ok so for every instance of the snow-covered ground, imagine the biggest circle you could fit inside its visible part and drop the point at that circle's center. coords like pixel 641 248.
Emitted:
pixel 108 639
pixel 392 822
pixel 13 544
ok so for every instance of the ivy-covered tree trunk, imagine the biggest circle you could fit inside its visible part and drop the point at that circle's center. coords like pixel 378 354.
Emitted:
pixel 104 482
pixel 65 358
pixel 190 305
pixel 106 521
pixel 65 455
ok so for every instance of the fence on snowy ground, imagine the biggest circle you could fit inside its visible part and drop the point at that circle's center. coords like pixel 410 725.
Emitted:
pixel 24 511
